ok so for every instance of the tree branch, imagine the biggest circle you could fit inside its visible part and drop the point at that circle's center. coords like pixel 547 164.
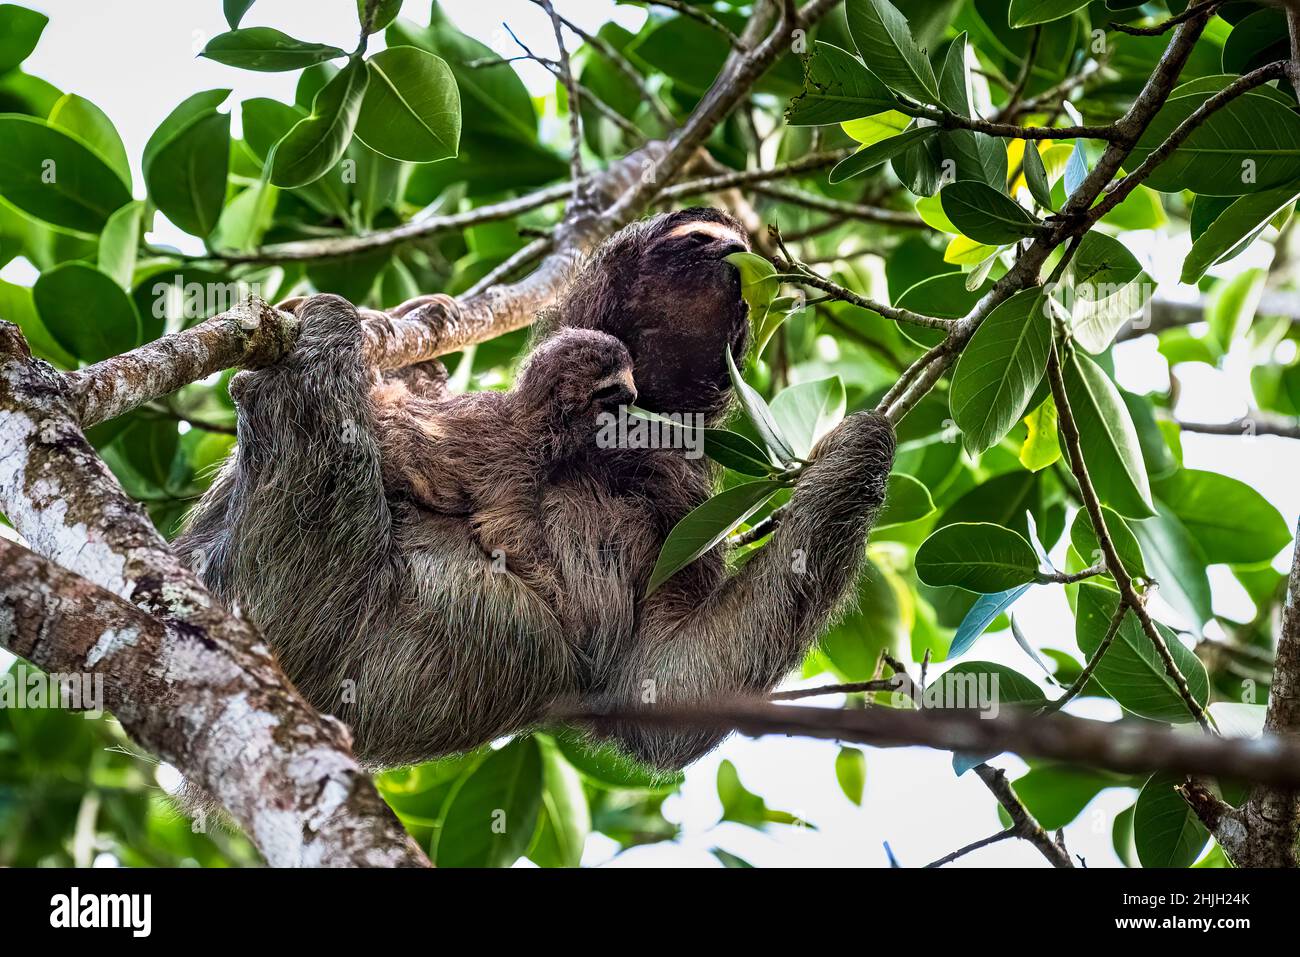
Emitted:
pixel 1243 84
pixel 1114 564
pixel 231 720
pixel 1127 747
pixel 1263 832
pixel 435 325
pixel 963 851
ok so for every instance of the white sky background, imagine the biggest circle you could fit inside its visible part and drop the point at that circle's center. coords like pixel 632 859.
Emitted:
pixel 136 60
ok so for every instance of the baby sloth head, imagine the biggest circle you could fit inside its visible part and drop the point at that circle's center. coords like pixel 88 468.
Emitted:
pixel 576 375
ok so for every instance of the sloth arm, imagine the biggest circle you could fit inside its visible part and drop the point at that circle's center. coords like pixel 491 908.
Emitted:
pixel 746 633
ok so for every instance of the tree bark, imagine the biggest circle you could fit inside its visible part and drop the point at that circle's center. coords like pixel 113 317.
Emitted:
pixel 187 678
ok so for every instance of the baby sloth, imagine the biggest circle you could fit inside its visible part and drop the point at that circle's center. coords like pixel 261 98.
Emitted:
pixel 486 456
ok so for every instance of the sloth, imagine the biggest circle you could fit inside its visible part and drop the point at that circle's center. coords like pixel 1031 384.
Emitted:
pixel 386 612
pixel 486 456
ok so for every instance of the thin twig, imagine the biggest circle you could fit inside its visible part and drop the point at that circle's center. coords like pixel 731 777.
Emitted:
pixel 1257 77
pixel 1115 564
pixel 1026 68
pixel 1249 425
pixel 1078 684
pixel 1164 26
pixel 624 66
pixel 859 211
pixel 963 851
pixel 697 14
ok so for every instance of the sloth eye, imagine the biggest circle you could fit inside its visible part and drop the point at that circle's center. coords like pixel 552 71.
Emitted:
pixel 608 392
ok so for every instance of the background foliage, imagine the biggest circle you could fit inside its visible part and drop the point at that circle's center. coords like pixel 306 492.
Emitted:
pixel 437 121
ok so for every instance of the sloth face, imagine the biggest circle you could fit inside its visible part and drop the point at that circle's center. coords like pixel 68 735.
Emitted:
pixel 686 311
pixel 663 287
pixel 576 375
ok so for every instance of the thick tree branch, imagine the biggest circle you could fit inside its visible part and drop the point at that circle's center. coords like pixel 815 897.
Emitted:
pixel 1264 831
pixel 233 723
pixel 1128 747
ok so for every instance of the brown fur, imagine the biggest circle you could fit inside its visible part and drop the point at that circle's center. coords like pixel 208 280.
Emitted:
pixel 389 615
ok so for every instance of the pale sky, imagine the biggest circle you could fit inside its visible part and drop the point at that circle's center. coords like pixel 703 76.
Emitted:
pixel 136 60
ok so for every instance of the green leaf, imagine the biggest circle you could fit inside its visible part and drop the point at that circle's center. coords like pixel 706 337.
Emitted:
pixel 837 88
pixel 17 306
pixel 316 143
pixel 495 100
pixel 1036 176
pixel 969 155
pixel 492 814
pixel 906 500
pixel 758 282
pixel 605 765
pixel 411 109
pixel 86 312
pixel 1085 542
pixel 267 50
pixel 245 220
pixel 977 556
pixel 192 109
pixel 1000 369
pixel 1166 830
pixel 736 452
pixel 1178 564
pixel 20 30
pixel 187 175
pixel 1110 443
pixel 1041 447
pixel 872 129
pixel 760 416
pixel 1023 13
pixel 707 525
pixel 851 773
pixel 1250 145
pixel 985 214
pixel 872 156
pixel 1233 303
pixel 804 413
pixel 383 12
pixel 83 119
pixel 1057 794
pixel 1002 687
pixel 120 242
pixel 778 311
pixel 1232 522
pixel 884 39
pixel 731 449
pixel 234 11
pixel 1108 288
pixel 266 122
pixel 55 177
pixel 1234 228
pixel 743 806
pixel 1131 671
pixel 981 614
pixel 565 807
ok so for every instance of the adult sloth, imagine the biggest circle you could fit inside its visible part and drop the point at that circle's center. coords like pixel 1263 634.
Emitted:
pixel 395 618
